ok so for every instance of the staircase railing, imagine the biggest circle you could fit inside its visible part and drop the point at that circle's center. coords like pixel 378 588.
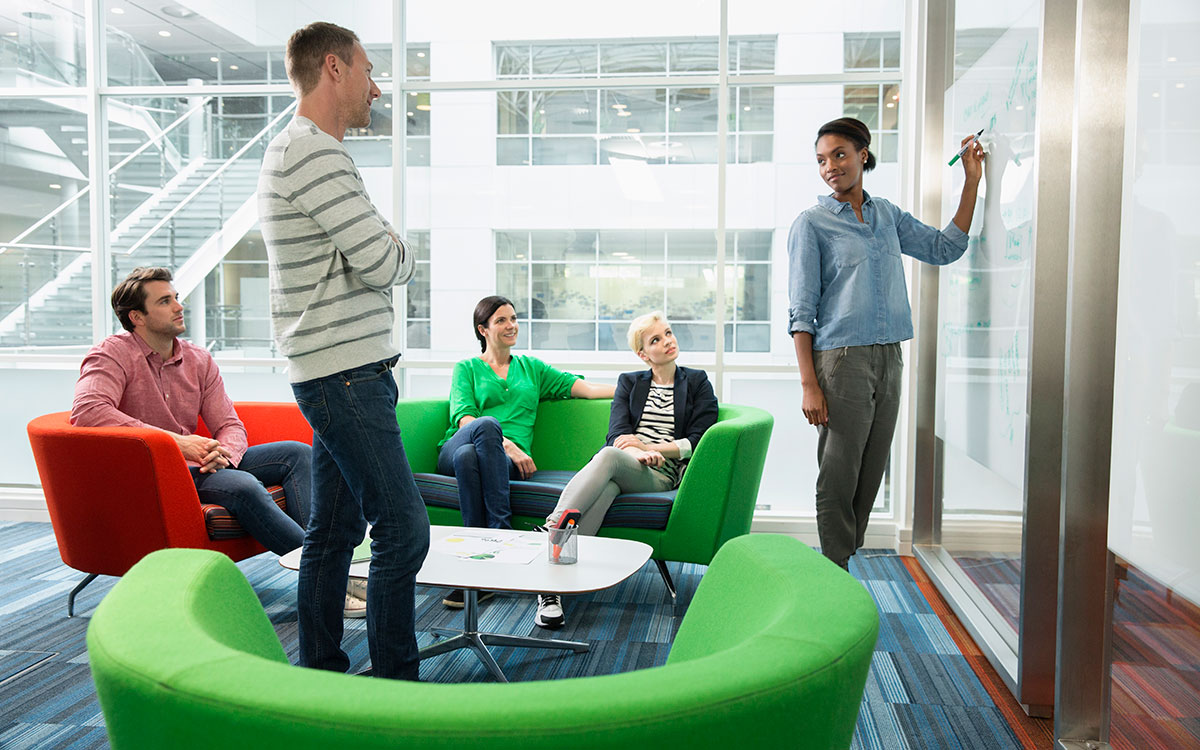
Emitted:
pixel 168 220
pixel 18 241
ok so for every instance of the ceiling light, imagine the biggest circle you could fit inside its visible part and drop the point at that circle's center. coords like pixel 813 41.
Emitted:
pixel 118 11
pixel 1020 107
pixel 633 130
pixel 624 113
pixel 746 108
pixel 11 33
pixel 412 93
pixel 420 54
pixel 895 97
pixel 541 111
pixel 214 59
pixel 618 105
pixel 385 74
pixel 1155 95
pixel 423 102
pixel 164 33
pixel 410 114
pixel 233 67
pixel 891 104
pixel 55 186
pixel 1170 59
pixel 387 105
pixel 1179 85
pixel 177 11
pixel 679 109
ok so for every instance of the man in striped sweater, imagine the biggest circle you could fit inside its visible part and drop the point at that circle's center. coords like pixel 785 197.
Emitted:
pixel 333 262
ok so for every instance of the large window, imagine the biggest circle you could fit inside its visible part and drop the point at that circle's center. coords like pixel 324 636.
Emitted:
pixel 568 159
pixel 581 289
pixel 662 125
pixel 878 105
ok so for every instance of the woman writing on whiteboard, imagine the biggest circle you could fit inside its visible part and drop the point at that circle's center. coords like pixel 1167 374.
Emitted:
pixel 848 312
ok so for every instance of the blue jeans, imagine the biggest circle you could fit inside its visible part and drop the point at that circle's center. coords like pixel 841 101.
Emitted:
pixel 360 474
pixel 242 491
pixel 475 457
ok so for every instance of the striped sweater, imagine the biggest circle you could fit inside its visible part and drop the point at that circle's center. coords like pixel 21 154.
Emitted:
pixel 333 259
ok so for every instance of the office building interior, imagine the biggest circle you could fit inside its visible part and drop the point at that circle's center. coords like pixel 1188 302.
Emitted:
pixel 595 161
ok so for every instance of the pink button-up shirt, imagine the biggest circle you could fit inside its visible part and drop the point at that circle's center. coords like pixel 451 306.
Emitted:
pixel 125 383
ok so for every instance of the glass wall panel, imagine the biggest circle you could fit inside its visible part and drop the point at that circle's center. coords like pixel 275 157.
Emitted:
pixel 984 302
pixel 45 215
pixel 1153 516
pixel 41 44
pixel 149 45
pixel 772 178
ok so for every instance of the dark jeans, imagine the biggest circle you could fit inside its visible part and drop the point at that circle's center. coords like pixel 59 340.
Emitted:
pixel 475 457
pixel 360 474
pixel 862 390
pixel 242 491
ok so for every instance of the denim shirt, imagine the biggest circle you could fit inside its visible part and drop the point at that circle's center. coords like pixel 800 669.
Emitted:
pixel 845 277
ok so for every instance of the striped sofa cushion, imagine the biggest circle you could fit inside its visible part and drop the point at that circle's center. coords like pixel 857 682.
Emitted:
pixel 538 495
pixel 221 524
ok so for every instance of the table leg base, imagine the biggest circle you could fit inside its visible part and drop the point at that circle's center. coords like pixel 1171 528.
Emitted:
pixel 470 637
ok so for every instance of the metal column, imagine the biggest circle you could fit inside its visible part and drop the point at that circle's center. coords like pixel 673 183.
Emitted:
pixel 1082 692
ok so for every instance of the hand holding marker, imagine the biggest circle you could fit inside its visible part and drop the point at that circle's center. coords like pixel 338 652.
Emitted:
pixel 567 520
pixel 966 146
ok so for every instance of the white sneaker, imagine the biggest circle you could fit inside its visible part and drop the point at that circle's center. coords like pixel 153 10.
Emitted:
pixel 355 607
pixel 549 612
pixel 356 598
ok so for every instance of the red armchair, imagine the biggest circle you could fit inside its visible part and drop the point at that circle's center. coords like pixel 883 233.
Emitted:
pixel 116 494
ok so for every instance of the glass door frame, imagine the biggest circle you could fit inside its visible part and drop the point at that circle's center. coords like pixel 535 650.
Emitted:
pixel 1025 662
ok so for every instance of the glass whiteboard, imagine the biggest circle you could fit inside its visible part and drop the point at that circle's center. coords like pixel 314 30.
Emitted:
pixel 984 298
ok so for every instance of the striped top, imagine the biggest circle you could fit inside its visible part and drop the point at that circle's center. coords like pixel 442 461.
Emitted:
pixel 657 425
pixel 333 259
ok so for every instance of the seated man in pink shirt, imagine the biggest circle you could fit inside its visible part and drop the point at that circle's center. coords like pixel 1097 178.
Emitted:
pixel 148 377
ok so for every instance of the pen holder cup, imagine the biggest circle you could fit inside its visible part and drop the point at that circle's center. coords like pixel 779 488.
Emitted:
pixel 562 548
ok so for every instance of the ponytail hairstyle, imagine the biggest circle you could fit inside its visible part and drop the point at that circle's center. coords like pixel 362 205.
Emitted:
pixel 856 131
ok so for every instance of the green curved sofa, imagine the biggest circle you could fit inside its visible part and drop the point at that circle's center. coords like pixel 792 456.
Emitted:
pixel 184 656
pixel 715 501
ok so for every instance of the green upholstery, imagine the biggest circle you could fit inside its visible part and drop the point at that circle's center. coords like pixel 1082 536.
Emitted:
pixel 184 656
pixel 715 501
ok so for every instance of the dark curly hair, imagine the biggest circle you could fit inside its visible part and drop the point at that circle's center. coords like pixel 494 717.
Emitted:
pixel 856 131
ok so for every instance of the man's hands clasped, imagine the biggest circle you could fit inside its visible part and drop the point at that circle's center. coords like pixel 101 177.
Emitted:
pixel 209 453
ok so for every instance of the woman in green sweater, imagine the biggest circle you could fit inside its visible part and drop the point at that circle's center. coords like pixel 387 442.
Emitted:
pixel 493 403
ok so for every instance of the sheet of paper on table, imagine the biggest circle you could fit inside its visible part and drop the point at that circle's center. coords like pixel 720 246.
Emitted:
pixel 483 545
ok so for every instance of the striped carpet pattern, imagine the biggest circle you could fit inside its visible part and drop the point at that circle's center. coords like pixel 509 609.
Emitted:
pixel 921 692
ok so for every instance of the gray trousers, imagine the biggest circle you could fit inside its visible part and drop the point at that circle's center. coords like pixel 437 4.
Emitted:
pixel 862 390
pixel 611 472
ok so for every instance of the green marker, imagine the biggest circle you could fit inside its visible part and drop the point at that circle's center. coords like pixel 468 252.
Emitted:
pixel 966 146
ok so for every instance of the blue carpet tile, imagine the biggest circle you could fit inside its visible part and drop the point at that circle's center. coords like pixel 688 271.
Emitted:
pixel 920 693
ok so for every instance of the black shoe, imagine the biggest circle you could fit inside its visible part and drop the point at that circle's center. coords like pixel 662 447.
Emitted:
pixel 456 598
pixel 549 612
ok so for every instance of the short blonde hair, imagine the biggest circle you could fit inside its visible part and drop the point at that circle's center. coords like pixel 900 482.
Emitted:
pixel 640 325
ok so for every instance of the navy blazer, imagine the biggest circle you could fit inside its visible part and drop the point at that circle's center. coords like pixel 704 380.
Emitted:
pixel 695 404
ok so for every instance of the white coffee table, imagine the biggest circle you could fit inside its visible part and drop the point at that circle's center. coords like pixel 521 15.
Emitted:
pixel 602 563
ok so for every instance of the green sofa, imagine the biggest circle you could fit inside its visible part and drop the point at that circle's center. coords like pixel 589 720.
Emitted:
pixel 714 503
pixel 773 652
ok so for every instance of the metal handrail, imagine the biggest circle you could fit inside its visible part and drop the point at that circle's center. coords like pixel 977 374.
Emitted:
pixel 67 203
pixel 161 134
pixel 32 246
pixel 199 188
